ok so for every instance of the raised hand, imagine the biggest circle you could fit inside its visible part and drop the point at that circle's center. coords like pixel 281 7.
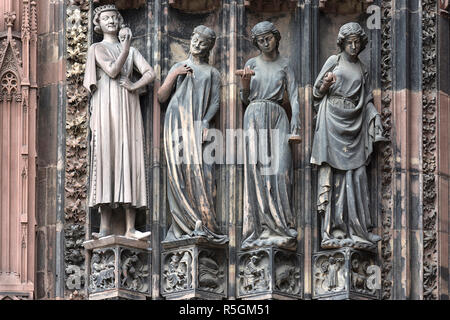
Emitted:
pixel 125 35
pixel 185 69
pixel 246 75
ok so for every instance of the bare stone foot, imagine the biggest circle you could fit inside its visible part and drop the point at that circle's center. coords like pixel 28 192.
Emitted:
pixel 98 235
pixel 135 234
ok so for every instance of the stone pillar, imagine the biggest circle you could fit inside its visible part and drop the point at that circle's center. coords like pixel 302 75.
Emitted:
pixel 407 150
pixel 18 111
pixel 443 135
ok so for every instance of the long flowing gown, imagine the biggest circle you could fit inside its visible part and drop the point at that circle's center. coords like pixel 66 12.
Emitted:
pixel 190 181
pixel 117 132
pixel 268 215
pixel 343 142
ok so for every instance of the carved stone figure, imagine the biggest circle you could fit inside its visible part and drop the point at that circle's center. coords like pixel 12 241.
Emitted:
pixel 254 276
pixel 134 273
pixel 347 127
pixel 117 172
pixel 268 215
pixel 178 273
pixel 193 87
pixel 102 270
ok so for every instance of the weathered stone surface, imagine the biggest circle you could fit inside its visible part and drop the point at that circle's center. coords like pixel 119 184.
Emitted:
pixel 119 268
pixel 269 273
pixel 194 269
pixel 345 274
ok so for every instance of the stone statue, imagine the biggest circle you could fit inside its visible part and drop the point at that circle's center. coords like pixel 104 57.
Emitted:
pixel 193 87
pixel 117 177
pixel 347 127
pixel 268 176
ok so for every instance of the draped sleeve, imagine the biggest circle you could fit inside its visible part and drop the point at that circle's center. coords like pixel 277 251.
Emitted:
pixel 90 76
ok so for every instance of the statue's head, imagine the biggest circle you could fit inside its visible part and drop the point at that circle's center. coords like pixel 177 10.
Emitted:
pixel 107 19
pixel 202 41
pixel 266 37
pixel 352 39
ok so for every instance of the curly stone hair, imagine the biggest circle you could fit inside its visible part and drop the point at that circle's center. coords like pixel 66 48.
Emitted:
pixel 350 29
pixel 99 10
pixel 263 28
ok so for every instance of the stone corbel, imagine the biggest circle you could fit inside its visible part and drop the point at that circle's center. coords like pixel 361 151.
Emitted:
pixel 271 6
pixel 120 4
pixel 195 6
pixel 334 6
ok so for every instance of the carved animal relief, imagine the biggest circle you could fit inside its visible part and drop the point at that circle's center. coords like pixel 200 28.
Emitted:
pixel 102 270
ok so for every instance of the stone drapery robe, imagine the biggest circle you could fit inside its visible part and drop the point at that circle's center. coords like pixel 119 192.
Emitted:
pixel 268 175
pixel 195 97
pixel 117 134
pixel 343 142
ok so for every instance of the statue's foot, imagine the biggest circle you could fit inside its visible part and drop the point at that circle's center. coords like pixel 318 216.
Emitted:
pixel 138 235
pixel 98 235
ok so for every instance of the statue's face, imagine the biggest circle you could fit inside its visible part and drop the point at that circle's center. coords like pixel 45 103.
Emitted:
pixel 266 42
pixel 109 22
pixel 352 45
pixel 199 45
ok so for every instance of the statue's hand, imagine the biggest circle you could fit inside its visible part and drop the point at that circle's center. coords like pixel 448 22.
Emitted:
pixel 185 69
pixel 127 84
pixel 125 38
pixel 246 75
pixel 328 80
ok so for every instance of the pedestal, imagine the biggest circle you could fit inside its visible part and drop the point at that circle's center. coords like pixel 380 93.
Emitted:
pixel 269 273
pixel 194 269
pixel 119 268
pixel 346 274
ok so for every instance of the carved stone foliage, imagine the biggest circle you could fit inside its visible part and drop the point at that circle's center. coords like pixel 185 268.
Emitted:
pixel 194 270
pixel 269 273
pixel 74 260
pixel 429 87
pixel 345 274
pixel 387 151
pixel 134 270
pixel 76 143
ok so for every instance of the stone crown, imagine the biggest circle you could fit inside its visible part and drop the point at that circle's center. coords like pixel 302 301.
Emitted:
pixel 107 7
